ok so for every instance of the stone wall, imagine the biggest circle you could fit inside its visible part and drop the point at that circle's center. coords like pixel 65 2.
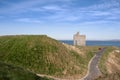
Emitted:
pixel 79 40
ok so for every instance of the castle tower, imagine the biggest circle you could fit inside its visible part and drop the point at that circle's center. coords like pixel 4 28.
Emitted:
pixel 79 40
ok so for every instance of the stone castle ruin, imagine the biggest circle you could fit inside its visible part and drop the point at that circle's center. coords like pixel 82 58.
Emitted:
pixel 79 40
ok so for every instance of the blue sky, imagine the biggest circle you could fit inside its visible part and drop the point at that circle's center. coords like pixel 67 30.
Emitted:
pixel 60 19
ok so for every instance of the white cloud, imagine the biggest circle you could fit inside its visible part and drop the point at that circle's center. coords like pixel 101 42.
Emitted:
pixel 71 18
pixel 52 7
pixel 105 10
pixel 28 20
pixel 44 8
pixel 21 6
pixel 105 4
pixel 112 18
pixel 101 13
pixel 25 5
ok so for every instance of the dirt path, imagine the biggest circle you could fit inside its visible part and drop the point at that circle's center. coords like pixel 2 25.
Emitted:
pixel 49 77
pixel 93 70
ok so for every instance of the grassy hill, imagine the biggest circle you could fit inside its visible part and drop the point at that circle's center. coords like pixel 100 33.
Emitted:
pixel 112 76
pixel 9 72
pixel 44 55
pixel 109 64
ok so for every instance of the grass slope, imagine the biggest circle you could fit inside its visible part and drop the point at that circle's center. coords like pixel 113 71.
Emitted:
pixel 113 76
pixel 103 59
pixel 9 72
pixel 112 58
pixel 39 54
pixel 43 55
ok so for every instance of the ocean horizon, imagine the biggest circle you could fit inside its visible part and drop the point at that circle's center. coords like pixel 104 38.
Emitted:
pixel 95 42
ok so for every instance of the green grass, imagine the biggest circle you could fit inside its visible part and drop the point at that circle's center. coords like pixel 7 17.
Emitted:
pixel 103 59
pixel 44 55
pixel 9 72
pixel 35 53
pixel 115 75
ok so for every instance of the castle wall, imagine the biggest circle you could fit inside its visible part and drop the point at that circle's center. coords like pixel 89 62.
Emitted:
pixel 79 40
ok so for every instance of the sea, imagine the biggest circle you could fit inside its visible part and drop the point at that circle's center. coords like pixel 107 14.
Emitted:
pixel 95 43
